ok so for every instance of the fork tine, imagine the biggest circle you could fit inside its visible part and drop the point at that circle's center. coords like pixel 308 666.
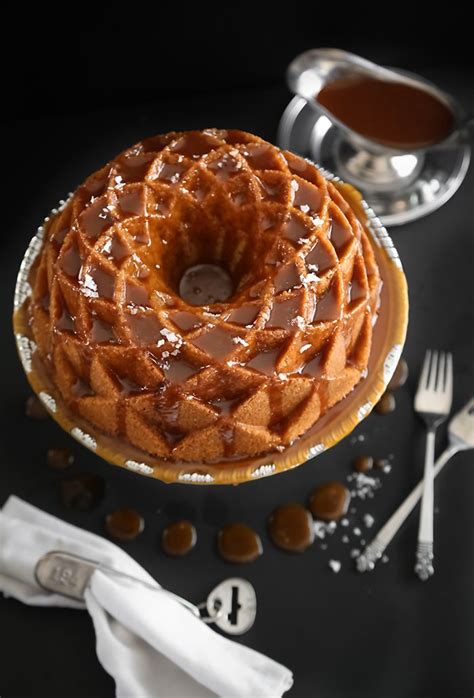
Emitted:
pixel 425 371
pixel 433 371
pixel 441 378
pixel 449 375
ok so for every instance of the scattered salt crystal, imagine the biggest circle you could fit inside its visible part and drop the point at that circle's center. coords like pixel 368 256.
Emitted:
pixel 317 220
pixel 310 278
pixel 283 376
pixel 89 286
pixel 299 322
pixel 365 485
pixel 386 468
pixel 359 437
pixel 355 552
pixel 165 354
pixel 305 347
pixel 313 267
pixel 294 185
pixel 240 340
pixel 385 558
pixel 331 527
pixel 362 541
pixel 304 208
pixel 368 520
pixel 324 546
pixel 107 246
pixel 160 342
pixel 319 528
pixel 345 539
pixel 302 241
pixel 344 522
pixel 171 336
pixel 335 565
pixel 356 531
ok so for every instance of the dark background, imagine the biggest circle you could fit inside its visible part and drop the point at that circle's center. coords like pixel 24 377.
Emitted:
pixel 82 83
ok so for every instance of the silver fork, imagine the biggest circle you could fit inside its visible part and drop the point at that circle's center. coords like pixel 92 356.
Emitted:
pixel 460 438
pixel 433 401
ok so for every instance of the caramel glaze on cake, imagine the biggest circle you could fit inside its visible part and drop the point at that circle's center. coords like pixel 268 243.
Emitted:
pixel 205 383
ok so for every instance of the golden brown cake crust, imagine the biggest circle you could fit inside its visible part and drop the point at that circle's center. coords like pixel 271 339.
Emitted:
pixel 205 383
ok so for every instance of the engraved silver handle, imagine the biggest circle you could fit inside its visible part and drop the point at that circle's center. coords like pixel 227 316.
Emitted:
pixel 374 550
pixel 424 553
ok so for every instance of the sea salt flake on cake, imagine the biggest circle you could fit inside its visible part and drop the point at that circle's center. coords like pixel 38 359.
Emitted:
pixel 89 286
pixel 240 340
pixel 299 321
pixel 335 565
pixel 310 279
pixel 171 336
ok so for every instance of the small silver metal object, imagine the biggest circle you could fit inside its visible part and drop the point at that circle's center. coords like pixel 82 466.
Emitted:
pixel 232 605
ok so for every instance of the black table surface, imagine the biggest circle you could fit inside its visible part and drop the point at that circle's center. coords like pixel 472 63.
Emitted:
pixel 383 634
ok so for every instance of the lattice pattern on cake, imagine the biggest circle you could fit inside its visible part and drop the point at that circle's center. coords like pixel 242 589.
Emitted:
pixel 231 380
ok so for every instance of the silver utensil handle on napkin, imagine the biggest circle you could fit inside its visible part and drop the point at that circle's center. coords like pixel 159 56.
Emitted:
pixel 366 561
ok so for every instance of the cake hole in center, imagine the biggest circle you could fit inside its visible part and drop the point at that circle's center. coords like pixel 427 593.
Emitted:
pixel 205 284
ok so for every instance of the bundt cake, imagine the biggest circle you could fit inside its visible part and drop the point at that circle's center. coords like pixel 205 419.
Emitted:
pixel 204 296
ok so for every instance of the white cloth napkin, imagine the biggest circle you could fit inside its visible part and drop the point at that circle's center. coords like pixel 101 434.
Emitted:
pixel 146 640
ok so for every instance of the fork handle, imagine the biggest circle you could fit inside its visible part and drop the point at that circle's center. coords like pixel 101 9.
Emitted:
pixel 424 553
pixel 374 550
